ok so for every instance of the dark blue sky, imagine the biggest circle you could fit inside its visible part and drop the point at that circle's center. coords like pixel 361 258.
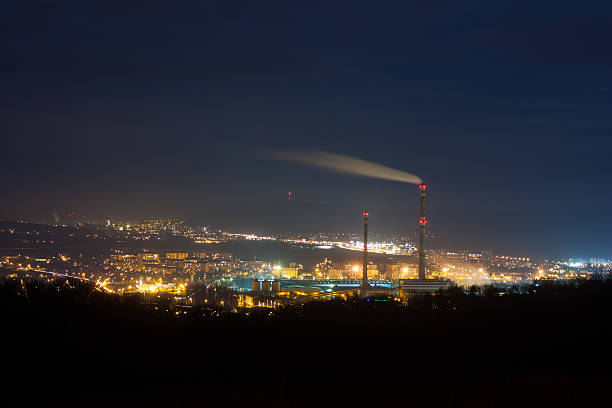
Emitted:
pixel 157 108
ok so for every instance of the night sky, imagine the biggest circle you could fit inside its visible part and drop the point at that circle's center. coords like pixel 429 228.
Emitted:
pixel 158 108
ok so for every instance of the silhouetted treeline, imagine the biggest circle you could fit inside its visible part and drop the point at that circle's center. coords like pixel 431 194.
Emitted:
pixel 482 347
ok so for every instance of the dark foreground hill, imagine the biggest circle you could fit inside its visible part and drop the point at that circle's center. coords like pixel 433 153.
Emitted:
pixel 71 346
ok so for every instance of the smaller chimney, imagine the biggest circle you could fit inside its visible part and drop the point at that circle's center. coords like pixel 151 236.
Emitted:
pixel 364 283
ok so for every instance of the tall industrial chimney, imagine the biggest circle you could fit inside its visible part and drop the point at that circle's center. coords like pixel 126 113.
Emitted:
pixel 364 283
pixel 422 224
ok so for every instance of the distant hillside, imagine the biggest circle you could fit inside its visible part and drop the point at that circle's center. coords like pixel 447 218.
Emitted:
pixel 504 231
pixel 17 234
pixel 291 216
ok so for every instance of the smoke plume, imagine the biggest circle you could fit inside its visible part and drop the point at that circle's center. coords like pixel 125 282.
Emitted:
pixel 342 164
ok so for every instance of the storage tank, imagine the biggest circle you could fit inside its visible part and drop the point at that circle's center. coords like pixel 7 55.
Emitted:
pixel 275 286
pixel 255 286
pixel 265 286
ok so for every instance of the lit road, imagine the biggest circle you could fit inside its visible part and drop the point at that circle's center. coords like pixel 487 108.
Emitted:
pixel 99 285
